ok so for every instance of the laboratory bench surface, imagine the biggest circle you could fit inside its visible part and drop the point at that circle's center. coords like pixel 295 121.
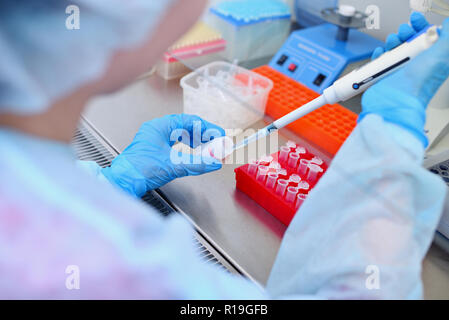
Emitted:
pixel 243 231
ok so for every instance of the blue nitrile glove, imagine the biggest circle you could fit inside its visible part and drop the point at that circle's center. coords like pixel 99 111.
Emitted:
pixel 149 161
pixel 402 97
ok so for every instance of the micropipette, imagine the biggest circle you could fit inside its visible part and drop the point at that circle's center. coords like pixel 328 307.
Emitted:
pixel 356 81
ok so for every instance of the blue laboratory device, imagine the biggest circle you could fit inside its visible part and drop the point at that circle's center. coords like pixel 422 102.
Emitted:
pixel 316 58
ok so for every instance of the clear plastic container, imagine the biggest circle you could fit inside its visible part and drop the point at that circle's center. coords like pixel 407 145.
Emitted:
pixel 251 39
pixel 225 94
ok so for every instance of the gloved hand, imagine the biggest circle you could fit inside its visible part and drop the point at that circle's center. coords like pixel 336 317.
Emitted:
pixel 150 161
pixel 402 97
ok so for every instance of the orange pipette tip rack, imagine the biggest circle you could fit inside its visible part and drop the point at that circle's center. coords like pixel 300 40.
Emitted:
pixel 327 127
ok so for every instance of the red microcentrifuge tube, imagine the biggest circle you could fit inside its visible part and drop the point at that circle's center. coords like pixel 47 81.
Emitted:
pixel 281 186
pixel 271 180
pixel 282 172
pixel 317 161
pixel 295 178
pixel 293 160
pixel 290 144
pixel 266 159
pixel 291 194
pixel 303 185
pixel 300 198
pixel 303 166
pixel 262 173
pixel 313 172
pixel 301 150
pixel 283 154
pixel 252 167
pixel 275 165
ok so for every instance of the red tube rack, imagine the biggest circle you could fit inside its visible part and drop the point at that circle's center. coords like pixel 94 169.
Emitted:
pixel 327 127
pixel 267 197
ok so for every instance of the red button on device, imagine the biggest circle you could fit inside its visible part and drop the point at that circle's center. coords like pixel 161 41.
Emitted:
pixel 292 67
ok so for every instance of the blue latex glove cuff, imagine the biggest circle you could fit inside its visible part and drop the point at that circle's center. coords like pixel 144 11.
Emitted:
pixel 396 107
pixel 123 175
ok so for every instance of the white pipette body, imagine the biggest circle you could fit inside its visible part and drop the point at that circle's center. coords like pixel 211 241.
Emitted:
pixel 357 81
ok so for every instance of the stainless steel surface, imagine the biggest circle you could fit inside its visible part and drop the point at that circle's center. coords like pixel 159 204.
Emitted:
pixel 237 226
pixel 248 235
pixel 89 146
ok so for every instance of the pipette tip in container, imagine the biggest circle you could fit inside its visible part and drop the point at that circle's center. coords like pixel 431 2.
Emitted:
pixel 300 198
pixel 293 160
pixel 262 173
pixel 281 186
pixel 271 180
pixel 291 194
pixel 303 166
